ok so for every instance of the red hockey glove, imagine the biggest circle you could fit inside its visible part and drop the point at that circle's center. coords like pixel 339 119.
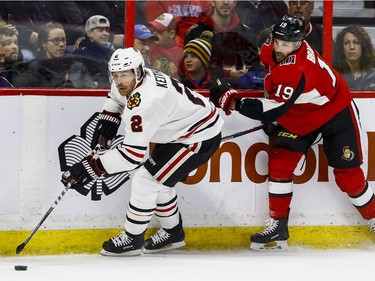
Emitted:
pixel 222 96
pixel 226 99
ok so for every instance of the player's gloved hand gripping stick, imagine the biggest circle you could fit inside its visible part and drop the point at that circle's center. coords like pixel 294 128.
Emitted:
pixel 82 173
pixel 106 129
pixel 69 184
pixel 222 96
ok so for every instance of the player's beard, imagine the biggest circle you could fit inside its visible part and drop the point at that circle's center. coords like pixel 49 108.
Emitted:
pixel 125 90
pixel 279 56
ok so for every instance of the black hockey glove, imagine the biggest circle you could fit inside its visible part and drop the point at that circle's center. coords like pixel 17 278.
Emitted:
pixel 82 173
pixel 222 95
pixel 106 129
pixel 270 129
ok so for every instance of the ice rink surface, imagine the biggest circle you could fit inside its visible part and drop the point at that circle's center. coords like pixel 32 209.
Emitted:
pixel 295 264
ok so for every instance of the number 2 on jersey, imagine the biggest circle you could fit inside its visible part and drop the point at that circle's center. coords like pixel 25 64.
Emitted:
pixel 136 123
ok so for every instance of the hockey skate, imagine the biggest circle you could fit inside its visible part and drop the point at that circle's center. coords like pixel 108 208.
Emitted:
pixel 124 244
pixel 371 225
pixel 273 237
pixel 164 241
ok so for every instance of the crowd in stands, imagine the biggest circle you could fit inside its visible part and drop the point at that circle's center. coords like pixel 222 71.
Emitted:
pixel 58 44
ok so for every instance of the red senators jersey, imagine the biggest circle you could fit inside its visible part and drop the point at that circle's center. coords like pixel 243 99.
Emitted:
pixel 302 92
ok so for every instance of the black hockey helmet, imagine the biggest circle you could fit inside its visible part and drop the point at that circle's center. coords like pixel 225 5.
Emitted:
pixel 289 28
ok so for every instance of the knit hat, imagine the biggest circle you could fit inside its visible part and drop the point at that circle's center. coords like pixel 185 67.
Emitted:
pixel 96 21
pixel 201 47
pixel 163 22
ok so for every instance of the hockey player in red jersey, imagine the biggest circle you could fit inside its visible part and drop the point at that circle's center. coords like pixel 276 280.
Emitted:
pixel 307 98
pixel 186 130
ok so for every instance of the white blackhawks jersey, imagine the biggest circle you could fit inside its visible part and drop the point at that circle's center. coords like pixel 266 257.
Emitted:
pixel 159 110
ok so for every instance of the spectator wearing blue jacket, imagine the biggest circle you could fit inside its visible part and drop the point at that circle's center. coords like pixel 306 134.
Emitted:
pixel 5 79
pixel 96 50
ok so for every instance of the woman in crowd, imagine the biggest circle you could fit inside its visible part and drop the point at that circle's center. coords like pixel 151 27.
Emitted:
pixel 52 68
pixel 353 57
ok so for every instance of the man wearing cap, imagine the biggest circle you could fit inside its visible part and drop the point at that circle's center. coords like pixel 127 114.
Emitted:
pixel 185 12
pixel 166 53
pixel 96 49
pixel 142 41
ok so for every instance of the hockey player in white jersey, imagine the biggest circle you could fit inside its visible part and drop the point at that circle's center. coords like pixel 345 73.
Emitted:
pixel 186 131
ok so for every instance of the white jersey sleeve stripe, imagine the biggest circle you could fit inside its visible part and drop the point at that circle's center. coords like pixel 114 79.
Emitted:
pixel 129 158
pixel 134 153
pixel 313 97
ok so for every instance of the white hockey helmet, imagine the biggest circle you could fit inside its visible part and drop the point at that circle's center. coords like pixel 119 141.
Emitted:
pixel 127 59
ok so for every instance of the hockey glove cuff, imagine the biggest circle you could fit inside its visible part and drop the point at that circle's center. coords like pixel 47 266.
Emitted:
pixel 270 129
pixel 226 99
pixel 106 129
pixel 82 173
pixel 222 96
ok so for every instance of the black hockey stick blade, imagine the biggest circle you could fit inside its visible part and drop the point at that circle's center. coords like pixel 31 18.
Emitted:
pixel 257 128
pixel 20 248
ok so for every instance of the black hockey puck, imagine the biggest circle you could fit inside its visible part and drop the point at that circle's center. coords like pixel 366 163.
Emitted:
pixel 20 267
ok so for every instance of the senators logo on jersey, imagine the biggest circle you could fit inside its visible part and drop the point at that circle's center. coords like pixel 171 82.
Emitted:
pixel 347 154
pixel 134 101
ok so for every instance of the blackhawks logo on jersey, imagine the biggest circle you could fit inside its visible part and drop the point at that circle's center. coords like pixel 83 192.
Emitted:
pixel 347 155
pixel 134 100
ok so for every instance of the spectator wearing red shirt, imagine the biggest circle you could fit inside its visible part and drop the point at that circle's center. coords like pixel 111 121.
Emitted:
pixel 166 53
pixel 185 12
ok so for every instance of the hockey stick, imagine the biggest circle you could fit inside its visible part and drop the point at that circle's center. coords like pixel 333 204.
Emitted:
pixel 257 128
pixel 67 187
pixel 22 245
